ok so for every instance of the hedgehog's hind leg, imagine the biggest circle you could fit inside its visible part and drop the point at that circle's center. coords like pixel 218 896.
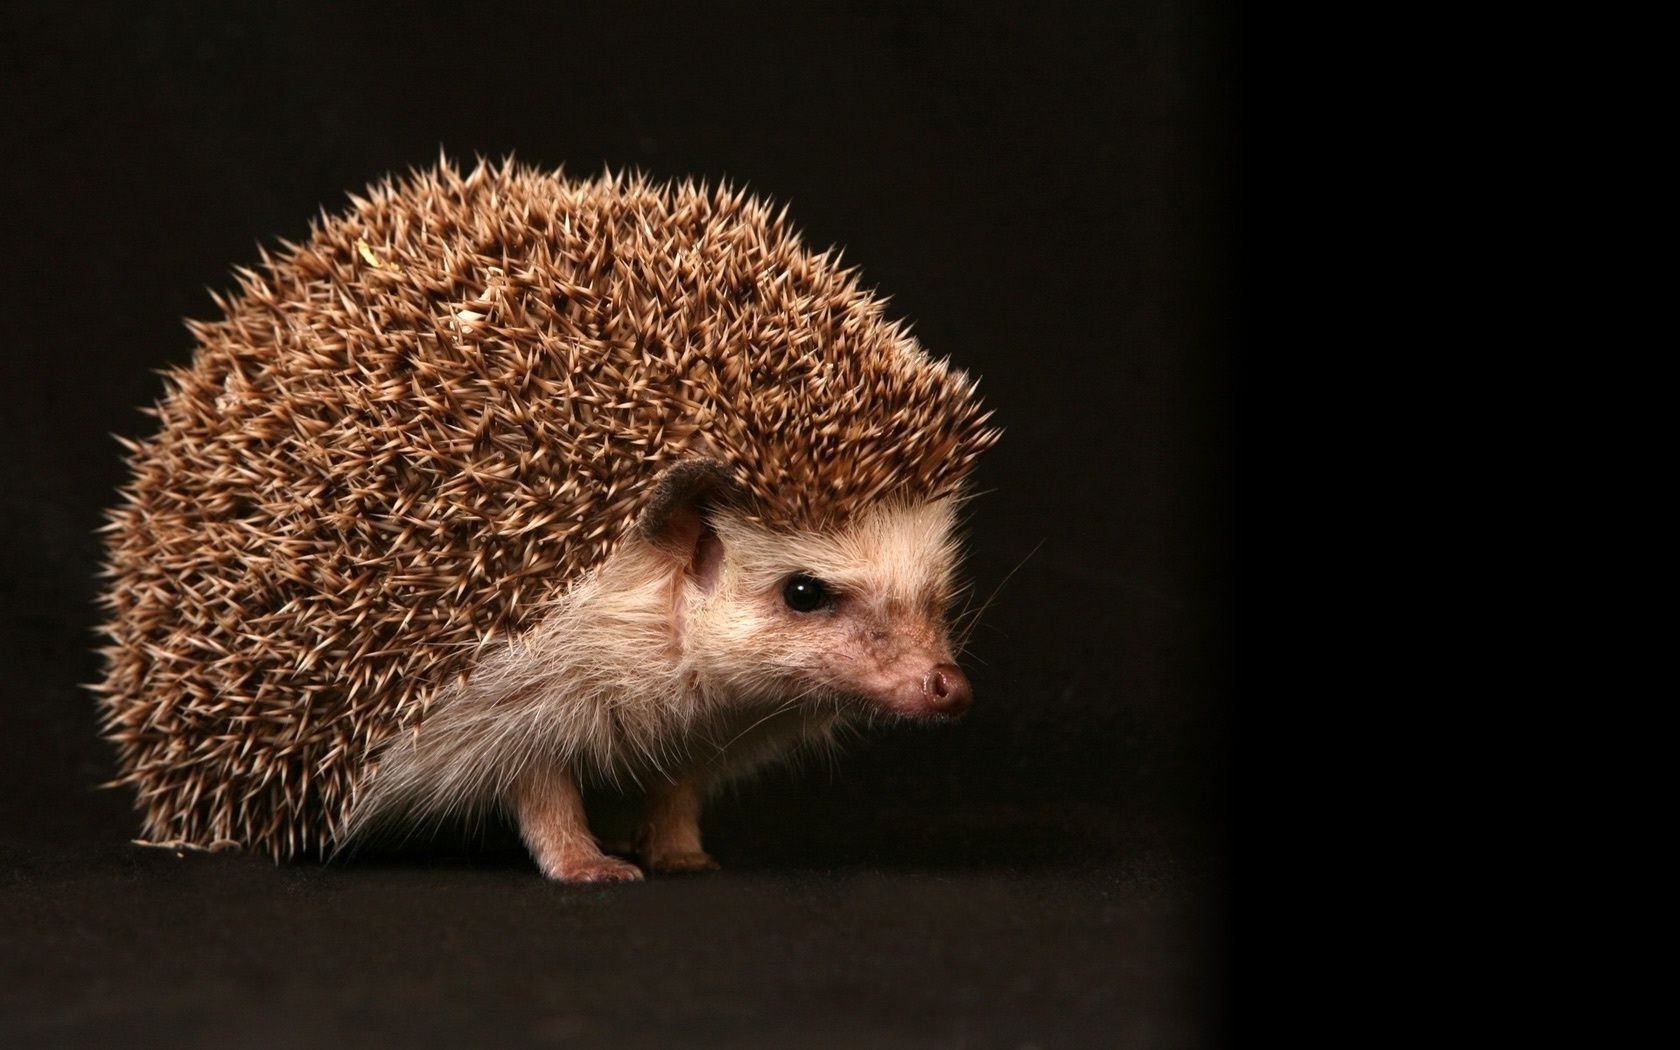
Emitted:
pixel 670 840
pixel 552 822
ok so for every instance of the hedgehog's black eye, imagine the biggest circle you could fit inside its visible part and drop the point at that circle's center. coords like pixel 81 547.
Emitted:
pixel 804 593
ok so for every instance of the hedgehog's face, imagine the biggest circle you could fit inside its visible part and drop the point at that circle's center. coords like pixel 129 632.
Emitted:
pixel 858 614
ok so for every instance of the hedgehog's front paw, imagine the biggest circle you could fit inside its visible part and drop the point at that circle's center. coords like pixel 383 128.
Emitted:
pixel 598 869
pixel 686 863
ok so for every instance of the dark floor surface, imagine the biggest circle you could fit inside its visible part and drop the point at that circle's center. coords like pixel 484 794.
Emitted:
pixel 898 937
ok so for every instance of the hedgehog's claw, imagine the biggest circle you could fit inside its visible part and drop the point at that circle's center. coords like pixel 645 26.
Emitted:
pixel 600 869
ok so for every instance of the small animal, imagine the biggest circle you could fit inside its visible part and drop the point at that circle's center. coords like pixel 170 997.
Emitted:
pixel 502 483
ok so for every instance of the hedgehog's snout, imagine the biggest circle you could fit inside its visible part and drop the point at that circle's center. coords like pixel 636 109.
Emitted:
pixel 945 690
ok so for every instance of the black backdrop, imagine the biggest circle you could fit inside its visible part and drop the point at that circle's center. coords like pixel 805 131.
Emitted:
pixel 1047 194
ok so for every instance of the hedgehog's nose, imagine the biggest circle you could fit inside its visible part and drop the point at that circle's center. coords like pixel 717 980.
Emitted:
pixel 947 690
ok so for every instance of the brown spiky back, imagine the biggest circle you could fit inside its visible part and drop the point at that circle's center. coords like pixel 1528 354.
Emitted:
pixel 440 410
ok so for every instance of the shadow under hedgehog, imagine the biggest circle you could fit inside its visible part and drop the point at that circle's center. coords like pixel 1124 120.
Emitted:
pixel 502 482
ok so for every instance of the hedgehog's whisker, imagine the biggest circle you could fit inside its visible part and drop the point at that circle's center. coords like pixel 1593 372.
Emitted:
pixel 967 628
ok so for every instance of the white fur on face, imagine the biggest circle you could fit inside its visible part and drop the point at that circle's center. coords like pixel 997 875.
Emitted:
pixel 890 575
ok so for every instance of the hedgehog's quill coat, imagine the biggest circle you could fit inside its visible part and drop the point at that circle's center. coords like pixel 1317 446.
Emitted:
pixel 416 431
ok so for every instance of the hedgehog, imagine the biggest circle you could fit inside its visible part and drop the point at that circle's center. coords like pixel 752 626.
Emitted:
pixel 501 484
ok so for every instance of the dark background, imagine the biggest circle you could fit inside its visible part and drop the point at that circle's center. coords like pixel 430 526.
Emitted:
pixel 1047 193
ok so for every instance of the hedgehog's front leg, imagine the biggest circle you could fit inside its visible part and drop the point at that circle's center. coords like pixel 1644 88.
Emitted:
pixel 555 829
pixel 671 828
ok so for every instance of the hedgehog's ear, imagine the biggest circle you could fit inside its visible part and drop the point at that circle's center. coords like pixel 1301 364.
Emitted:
pixel 674 519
